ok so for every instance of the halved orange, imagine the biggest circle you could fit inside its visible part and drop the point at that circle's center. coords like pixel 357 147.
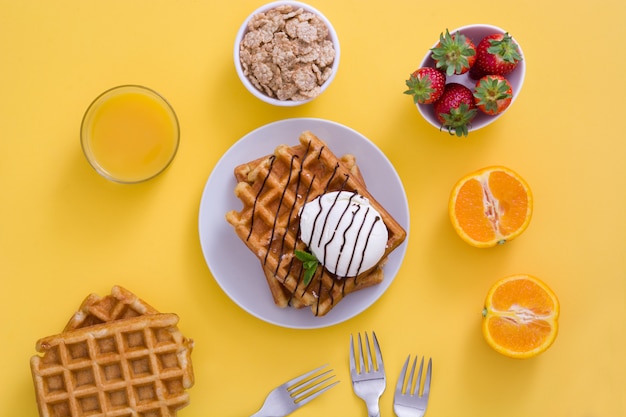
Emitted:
pixel 490 206
pixel 520 317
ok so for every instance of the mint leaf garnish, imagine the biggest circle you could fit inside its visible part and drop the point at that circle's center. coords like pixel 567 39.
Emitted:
pixel 309 263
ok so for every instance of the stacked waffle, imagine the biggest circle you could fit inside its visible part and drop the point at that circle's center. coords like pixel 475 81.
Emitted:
pixel 117 356
pixel 273 189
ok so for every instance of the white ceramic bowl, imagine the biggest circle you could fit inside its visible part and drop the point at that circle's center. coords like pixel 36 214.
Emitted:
pixel 516 78
pixel 244 29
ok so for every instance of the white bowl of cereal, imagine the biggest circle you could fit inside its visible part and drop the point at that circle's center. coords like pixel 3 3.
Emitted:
pixel 286 53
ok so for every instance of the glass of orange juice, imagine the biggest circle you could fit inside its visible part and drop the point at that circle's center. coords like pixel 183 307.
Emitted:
pixel 130 134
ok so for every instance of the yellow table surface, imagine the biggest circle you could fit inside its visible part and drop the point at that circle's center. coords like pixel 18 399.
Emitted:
pixel 66 232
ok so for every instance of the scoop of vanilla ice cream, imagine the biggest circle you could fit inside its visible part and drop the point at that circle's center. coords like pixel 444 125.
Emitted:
pixel 344 232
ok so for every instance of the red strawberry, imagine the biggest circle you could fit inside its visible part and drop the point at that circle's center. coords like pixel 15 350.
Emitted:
pixel 456 109
pixel 496 54
pixel 426 85
pixel 493 94
pixel 454 54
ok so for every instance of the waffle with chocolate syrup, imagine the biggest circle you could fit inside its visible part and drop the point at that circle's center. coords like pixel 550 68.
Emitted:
pixel 281 295
pixel 272 190
pixel 126 365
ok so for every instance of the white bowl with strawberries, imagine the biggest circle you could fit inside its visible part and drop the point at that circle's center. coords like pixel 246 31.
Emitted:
pixel 468 79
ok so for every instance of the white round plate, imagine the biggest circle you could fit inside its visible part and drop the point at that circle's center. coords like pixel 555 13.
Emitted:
pixel 238 271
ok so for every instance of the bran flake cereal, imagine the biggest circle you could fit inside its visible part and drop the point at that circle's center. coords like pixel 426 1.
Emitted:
pixel 287 53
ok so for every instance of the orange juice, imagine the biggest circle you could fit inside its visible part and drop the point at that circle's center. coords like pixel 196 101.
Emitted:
pixel 130 134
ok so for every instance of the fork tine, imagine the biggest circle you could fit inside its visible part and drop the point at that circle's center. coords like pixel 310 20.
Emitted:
pixel 352 362
pixel 402 377
pixel 379 357
pixel 316 393
pixel 416 391
pixel 315 387
pixel 429 371
pixel 414 376
pixel 409 387
pixel 362 354
pixel 371 366
pixel 366 362
pixel 297 381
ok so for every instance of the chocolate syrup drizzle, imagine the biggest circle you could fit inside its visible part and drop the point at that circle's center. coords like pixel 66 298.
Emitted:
pixel 293 207
pixel 280 204
pixel 347 212
pixel 256 198
pixel 369 234
pixel 299 180
pixel 308 191
pixel 343 243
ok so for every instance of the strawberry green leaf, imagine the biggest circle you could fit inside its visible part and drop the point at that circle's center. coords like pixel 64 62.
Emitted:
pixel 505 48
pixel 454 54
pixel 458 120
pixel 490 90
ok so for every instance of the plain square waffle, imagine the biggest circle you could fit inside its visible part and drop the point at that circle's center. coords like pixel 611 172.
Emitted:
pixel 137 366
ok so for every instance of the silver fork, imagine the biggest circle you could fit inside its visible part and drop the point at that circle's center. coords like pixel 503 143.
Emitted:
pixel 291 395
pixel 368 382
pixel 410 402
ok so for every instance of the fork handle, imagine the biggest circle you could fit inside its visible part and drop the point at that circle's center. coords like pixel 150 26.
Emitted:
pixel 373 409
